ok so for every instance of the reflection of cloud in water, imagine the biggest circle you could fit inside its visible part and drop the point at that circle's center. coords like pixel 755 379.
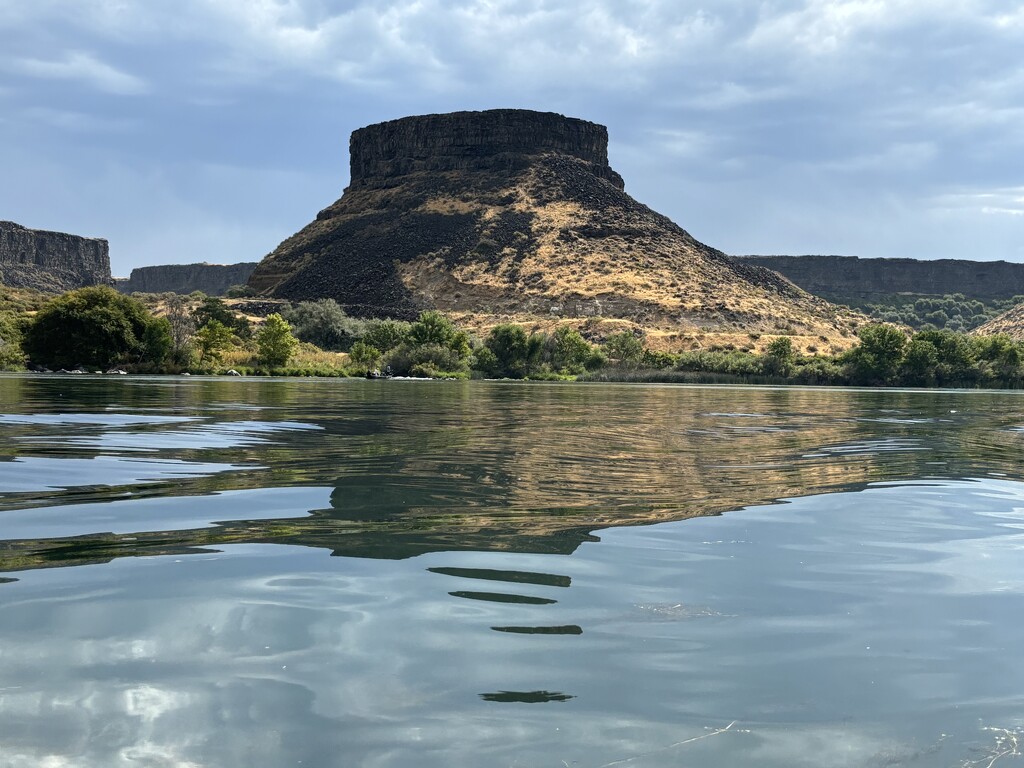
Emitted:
pixel 163 513
pixel 26 474
pixel 220 435
pixel 264 656
pixel 92 419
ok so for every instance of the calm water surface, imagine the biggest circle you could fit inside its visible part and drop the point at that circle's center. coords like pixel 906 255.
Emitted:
pixel 322 573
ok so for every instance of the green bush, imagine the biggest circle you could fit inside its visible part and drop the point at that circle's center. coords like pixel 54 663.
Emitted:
pixel 566 350
pixel 239 292
pixel 325 324
pixel 363 354
pixel 213 308
pixel 514 354
pixel 624 349
pixel 96 327
pixel 428 359
pixel 385 335
pixel 12 358
pixel 275 343
pixel 876 360
pixel 212 340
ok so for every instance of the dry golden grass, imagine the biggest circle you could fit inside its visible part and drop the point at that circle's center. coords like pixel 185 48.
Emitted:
pixel 1010 322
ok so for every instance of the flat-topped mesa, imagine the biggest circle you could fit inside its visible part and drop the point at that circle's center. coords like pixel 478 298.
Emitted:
pixel 493 140
pixel 516 216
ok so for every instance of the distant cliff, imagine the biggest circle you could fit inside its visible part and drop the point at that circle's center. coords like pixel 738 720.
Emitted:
pixel 849 279
pixel 211 279
pixel 51 261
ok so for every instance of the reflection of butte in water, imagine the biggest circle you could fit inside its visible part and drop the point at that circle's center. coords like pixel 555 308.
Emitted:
pixel 443 499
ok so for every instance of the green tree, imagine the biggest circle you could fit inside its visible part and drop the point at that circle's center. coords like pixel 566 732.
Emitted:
pixel 516 354
pixel 1002 355
pixel 96 327
pixel 385 335
pixel 568 350
pixel 212 340
pixel 11 355
pixel 623 349
pixel 364 354
pixel 877 358
pixel 919 362
pixel 213 308
pixel 157 343
pixel 957 362
pixel 275 343
pixel 779 357
pixel 325 324
pixel 182 327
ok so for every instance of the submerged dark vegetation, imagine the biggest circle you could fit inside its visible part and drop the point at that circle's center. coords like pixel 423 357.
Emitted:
pixel 98 329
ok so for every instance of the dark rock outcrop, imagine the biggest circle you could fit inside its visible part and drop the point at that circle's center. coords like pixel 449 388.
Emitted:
pixel 850 279
pixel 51 261
pixel 497 140
pixel 511 215
pixel 211 279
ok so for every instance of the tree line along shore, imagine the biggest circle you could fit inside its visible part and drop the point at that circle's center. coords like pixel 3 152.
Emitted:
pixel 98 329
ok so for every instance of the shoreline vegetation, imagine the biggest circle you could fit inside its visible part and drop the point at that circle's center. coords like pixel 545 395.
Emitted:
pixel 99 330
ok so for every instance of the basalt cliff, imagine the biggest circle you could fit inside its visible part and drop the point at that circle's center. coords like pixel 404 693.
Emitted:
pixel 851 280
pixel 51 261
pixel 211 279
pixel 517 216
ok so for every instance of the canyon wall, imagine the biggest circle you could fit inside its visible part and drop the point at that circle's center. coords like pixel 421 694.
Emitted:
pixel 51 261
pixel 851 279
pixel 211 279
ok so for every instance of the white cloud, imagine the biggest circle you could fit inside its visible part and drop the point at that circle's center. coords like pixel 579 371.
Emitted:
pixel 1008 201
pixel 84 67
pixel 928 92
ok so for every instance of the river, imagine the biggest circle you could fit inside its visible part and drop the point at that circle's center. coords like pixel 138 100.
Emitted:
pixel 266 573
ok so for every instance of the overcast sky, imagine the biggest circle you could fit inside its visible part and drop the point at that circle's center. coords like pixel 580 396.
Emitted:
pixel 209 130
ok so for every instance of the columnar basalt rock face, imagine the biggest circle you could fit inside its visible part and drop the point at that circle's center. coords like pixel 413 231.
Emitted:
pixel 51 261
pixel 517 216
pixel 848 278
pixel 497 140
pixel 211 279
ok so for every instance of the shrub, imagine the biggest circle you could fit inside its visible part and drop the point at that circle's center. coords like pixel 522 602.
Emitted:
pixel 213 308
pixel 97 327
pixel 275 343
pixel 239 292
pixel 212 340
pixel 385 335
pixel 657 361
pixel 425 360
pixel 623 349
pixel 11 355
pixel 325 324
pixel 515 354
pixel 364 354
pixel 567 350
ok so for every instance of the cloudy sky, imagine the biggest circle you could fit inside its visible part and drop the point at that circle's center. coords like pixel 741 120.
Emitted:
pixel 192 130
